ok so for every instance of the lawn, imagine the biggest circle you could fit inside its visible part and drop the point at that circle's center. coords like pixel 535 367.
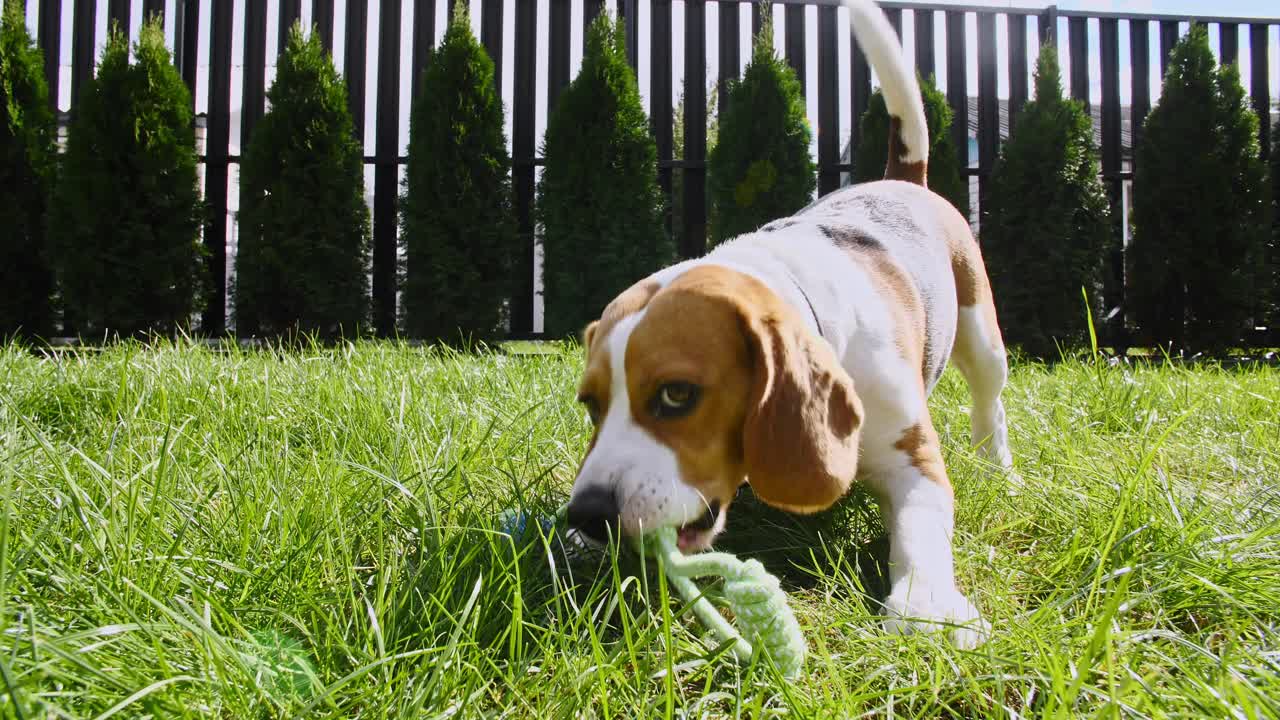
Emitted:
pixel 312 534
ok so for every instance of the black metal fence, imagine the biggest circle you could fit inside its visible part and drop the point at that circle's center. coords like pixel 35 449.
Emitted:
pixel 931 26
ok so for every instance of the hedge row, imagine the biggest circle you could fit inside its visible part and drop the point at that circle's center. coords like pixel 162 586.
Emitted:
pixel 122 252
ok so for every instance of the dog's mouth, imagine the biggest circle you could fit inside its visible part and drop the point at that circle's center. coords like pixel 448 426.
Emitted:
pixel 694 536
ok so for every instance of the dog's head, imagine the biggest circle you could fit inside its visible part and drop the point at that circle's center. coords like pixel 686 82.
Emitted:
pixel 697 386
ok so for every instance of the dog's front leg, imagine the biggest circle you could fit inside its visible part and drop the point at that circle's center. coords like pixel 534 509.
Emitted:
pixel 918 507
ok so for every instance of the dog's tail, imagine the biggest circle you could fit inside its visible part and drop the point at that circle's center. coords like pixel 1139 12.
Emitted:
pixel 908 130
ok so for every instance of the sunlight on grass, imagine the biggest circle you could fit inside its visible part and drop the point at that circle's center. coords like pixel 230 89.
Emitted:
pixel 189 533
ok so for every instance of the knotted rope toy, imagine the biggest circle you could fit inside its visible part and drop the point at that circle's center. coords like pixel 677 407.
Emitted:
pixel 755 596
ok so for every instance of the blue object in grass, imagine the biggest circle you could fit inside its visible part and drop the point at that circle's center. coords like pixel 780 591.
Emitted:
pixel 516 523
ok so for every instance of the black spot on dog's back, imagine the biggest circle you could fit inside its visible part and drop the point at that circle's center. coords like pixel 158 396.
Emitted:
pixel 852 238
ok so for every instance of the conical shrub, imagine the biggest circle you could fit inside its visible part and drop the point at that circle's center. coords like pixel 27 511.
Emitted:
pixel 598 200
pixel 1201 210
pixel 1046 222
pixel 303 260
pixel 458 231
pixel 760 168
pixel 26 173
pixel 127 226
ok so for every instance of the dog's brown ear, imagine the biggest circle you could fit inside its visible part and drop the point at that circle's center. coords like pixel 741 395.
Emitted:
pixel 800 438
pixel 588 333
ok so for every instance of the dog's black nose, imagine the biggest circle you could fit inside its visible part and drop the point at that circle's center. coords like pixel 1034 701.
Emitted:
pixel 594 512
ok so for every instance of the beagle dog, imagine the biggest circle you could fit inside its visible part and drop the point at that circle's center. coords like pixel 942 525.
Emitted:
pixel 799 358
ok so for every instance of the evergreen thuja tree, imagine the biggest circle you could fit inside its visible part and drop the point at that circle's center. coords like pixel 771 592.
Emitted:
pixel 760 168
pixel 26 171
pixel 128 217
pixel 598 200
pixel 1201 209
pixel 1045 223
pixel 944 175
pixel 458 233
pixel 303 259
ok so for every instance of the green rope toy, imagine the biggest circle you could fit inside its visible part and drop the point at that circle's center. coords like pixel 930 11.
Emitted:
pixel 755 596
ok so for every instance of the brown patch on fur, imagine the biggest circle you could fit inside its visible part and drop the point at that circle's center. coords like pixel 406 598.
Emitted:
pixel 920 443
pixel 896 285
pixel 775 406
pixel 897 169
pixel 973 289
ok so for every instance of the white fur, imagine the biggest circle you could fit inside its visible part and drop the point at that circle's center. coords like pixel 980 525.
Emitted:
pixel 897 80
pixel 643 473
pixel 985 370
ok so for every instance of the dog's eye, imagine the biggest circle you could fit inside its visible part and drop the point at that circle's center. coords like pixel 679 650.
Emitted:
pixel 674 400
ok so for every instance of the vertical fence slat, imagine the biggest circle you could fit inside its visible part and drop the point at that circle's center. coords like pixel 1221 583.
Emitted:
pixel 290 13
pixel 386 179
pixel 558 52
pixel 50 33
pixel 1078 39
pixel 895 20
pixel 491 38
pixel 82 43
pixel 1047 26
pixel 1140 75
pixel 322 17
pixel 424 36
pixel 988 101
pixel 188 34
pixel 795 44
pixel 354 63
pixel 1113 282
pixel 152 8
pixel 1017 65
pixel 859 94
pixel 925 61
pixel 219 135
pixel 522 143
pixel 255 60
pixel 694 239
pixel 630 16
pixel 591 10
pixel 1109 47
pixel 1260 86
pixel 757 19
pixel 828 102
pixel 1229 42
pixel 730 55
pixel 957 90
pixel 660 92
pixel 118 16
pixel 1168 38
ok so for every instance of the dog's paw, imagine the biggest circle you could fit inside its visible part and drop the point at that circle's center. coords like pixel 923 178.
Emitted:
pixel 920 608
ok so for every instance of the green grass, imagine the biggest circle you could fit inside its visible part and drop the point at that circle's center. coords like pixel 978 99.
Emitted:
pixel 193 534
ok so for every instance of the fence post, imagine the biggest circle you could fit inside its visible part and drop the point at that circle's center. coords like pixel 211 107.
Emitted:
pixel 152 8
pixel 491 38
pixel 290 13
pixel 1078 59
pixel 386 173
pixel 1168 38
pixel 828 102
pixel 522 149
pixel 1260 89
pixel 50 33
pixel 630 18
pixel 1140 75
pixel 354 63
pixel 216 161
pixel 794 41
pixel 322 17
pixel 255 60
pixel 118 16
pixel 859 97
pixel 1047 23
pixel 558 52
pixel 730 55
pixel 1113 282
pixel 660 94
pixel 988 104
pixel 1229 42
pixel 424 36
pixel 925 61
pixel 957 90
pixel 1017 65
pixel 694 238
pixel 186 32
